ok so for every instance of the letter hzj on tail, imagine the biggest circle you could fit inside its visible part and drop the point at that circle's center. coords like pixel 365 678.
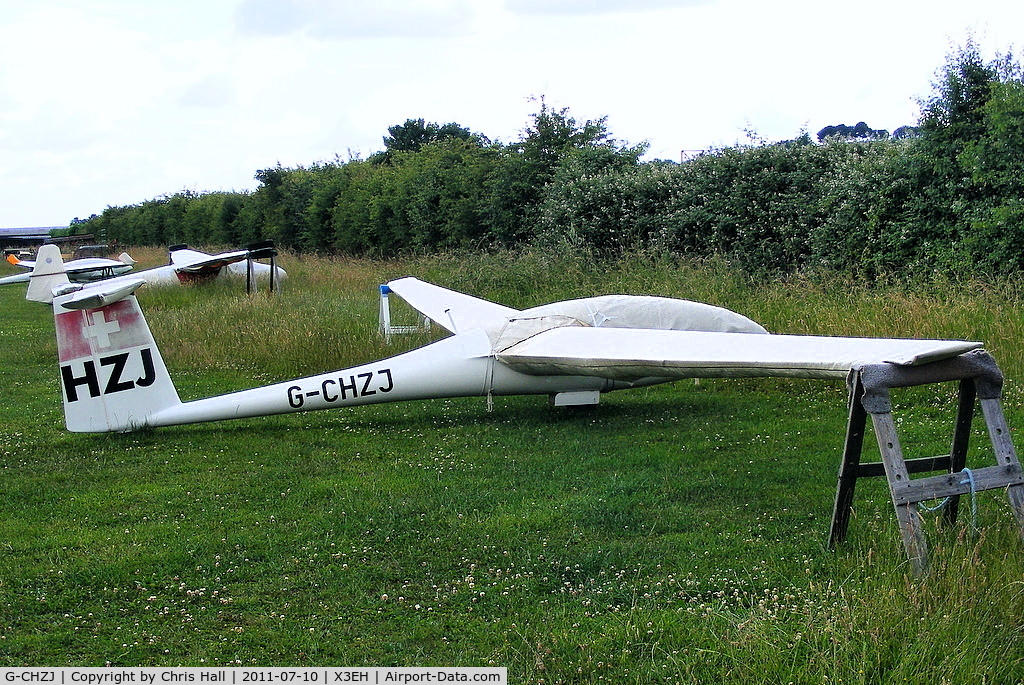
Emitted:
pixel 110 369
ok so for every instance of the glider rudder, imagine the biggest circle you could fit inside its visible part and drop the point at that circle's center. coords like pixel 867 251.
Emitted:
pixel 47 274
pixel 112 375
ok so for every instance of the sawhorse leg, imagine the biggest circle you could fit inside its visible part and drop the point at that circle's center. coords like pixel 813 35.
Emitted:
pixel 893 466
pixel 850 467
pixel 961 439
pixel 896 471
pixel 1006 455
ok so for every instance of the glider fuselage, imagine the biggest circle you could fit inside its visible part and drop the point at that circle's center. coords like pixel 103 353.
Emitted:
pixel 114 379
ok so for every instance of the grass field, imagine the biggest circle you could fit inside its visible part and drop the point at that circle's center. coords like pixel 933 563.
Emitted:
pixel 671 534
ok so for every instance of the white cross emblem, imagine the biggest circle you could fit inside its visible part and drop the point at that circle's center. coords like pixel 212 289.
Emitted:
pixel 101 329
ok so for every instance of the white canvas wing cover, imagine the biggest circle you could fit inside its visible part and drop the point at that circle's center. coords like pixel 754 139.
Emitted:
pixel 630 338
pixel 633 354
pixel 640 311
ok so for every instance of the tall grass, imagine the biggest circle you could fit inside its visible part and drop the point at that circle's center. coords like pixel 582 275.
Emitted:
pixel 671 534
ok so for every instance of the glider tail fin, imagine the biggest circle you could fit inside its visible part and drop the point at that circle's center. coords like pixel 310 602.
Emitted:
pixel 47 274
pixel 112 375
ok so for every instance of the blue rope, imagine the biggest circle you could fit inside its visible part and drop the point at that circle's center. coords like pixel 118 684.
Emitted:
pixel 974 500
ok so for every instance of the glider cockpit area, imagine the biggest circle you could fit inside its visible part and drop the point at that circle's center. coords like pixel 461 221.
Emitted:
pixel 114 379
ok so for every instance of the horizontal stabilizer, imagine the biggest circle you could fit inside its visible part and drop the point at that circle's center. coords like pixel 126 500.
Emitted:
pixel 453 311
pixel 101 294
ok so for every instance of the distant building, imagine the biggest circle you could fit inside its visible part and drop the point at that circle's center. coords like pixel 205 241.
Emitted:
pixel 32 237
pixel 40 233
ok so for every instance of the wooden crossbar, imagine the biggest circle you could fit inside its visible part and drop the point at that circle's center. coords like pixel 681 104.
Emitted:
pixel 979 380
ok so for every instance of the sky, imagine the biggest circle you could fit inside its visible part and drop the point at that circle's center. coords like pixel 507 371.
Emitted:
pixel 115 102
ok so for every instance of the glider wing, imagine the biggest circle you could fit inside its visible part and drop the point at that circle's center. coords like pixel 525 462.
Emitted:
pixel 453 311
pixel 192 262
pixel 85 269
pixel 634 354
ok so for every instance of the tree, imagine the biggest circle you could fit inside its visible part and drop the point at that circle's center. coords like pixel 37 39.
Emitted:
pixel 280 203
pixel 954 113
pixel 995 164
pixel 441 189
pixel 554 133
pixel 860 131
pixel 960 130
pixel 526 167
pixel 904 132
pixel 415 133
pixel 332 182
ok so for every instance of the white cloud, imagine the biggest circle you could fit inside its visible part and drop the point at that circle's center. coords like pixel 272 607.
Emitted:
pixel 595 7
pixel 212 90
pixel 351 19
pixel 119 102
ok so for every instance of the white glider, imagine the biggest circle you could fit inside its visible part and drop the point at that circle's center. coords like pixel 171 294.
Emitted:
pixel 186 267
pixel 113 378
pixel 79 270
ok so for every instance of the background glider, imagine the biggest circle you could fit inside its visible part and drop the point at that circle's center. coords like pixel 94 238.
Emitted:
pixel 186 266
pixel 114 379
pixel 78 270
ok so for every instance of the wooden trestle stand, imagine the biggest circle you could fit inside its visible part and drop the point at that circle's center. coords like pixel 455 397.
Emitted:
pixel 979 379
